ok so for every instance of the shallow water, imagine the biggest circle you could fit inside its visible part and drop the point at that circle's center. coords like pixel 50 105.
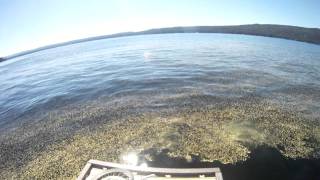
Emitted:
pixel 214 64
pixel 230 81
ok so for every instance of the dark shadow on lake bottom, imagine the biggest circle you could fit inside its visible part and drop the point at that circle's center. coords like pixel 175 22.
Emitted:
pixel 264 163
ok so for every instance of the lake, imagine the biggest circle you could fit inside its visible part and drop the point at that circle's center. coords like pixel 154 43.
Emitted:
pixel 191 100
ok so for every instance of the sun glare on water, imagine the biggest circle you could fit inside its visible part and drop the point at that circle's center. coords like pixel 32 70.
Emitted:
pixel 147 55
pixel 130 158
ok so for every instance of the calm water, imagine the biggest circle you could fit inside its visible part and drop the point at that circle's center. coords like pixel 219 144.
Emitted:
pixel 215 64
pixel 145 69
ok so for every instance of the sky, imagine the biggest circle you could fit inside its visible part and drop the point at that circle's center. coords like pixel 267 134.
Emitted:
pixel 28 24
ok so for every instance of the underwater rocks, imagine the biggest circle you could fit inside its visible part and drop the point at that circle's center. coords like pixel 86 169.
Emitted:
pixel 225 133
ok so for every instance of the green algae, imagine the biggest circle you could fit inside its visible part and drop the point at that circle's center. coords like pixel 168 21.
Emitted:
pixel 223 133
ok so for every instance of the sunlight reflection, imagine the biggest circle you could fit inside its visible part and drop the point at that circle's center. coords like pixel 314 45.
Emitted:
pixel 130 158
pixel 147 55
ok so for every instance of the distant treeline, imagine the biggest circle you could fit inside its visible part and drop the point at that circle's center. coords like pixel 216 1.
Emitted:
pixel 310 35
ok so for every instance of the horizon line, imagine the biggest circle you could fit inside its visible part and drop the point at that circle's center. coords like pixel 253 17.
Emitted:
pixel 127 33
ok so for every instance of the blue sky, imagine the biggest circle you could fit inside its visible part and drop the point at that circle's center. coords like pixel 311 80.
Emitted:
pixel 28 24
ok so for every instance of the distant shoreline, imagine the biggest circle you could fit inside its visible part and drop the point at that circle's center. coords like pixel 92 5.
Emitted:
pixel 309 35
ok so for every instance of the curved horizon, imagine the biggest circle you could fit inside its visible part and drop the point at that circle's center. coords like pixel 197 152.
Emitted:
pixel 32 24
pixel 149 31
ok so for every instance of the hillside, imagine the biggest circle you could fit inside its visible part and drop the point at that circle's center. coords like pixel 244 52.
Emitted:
pixel 310 35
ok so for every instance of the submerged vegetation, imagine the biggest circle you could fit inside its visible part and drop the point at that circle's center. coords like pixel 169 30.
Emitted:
pixel 59 148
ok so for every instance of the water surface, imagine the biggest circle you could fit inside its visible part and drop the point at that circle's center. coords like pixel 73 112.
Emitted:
pixel 186 85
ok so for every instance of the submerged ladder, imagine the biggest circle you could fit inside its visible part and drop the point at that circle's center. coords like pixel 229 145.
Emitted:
pixel 95 170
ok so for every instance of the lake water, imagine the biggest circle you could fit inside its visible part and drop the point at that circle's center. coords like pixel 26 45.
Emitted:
pixel 60 94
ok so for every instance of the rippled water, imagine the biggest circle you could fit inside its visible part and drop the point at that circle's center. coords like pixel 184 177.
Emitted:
pixel 153 73
pixel 215 64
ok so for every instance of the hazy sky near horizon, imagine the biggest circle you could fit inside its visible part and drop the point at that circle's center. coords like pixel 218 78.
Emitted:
pixel 28 24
